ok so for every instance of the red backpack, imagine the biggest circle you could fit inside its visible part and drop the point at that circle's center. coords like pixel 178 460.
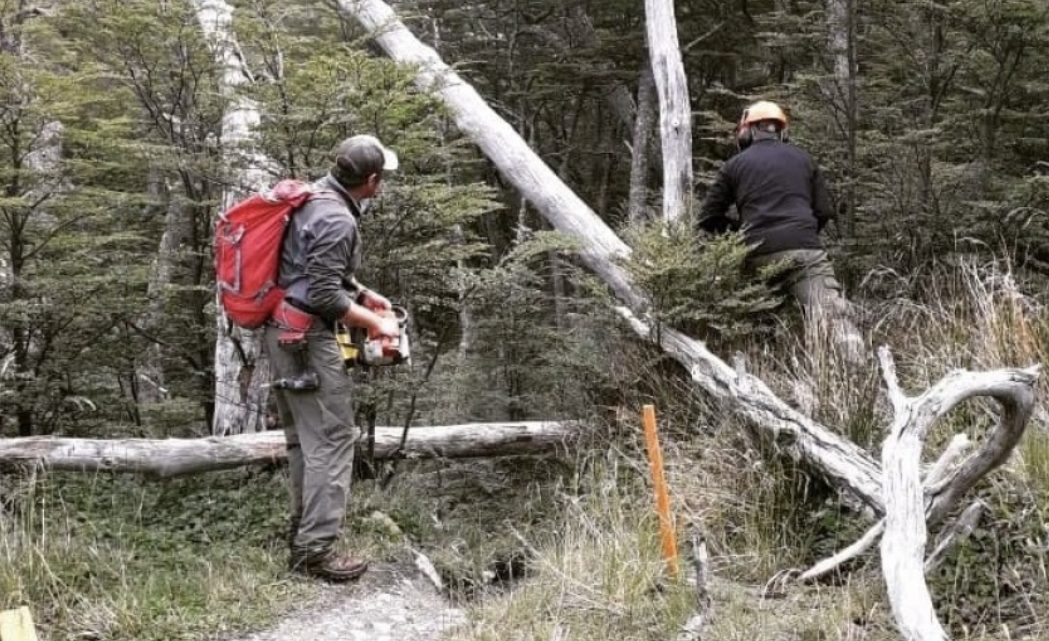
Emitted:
pixel 247 247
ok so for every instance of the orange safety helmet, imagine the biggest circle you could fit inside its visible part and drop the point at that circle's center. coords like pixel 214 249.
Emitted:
pixel 761 111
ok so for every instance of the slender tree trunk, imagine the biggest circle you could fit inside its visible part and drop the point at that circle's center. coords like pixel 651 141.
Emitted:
pixel 675 113
pixel 241 371
pixel 467 333
pixel 841 24
pixel 646 115
pixel 43 182
pixel 149 371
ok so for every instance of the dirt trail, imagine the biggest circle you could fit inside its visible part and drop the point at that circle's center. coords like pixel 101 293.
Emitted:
pixel 390 603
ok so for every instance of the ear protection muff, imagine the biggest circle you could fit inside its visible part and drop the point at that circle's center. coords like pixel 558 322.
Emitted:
pixel 762 112
pixel 744 137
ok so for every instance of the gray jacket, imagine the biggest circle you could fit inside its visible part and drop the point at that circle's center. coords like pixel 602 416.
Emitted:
pixel 321 252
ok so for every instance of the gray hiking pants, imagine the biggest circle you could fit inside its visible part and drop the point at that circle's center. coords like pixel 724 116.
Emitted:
pixel 810 279
pixel 320 433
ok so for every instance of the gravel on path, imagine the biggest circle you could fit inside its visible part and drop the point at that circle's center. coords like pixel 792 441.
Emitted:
pixel 391 602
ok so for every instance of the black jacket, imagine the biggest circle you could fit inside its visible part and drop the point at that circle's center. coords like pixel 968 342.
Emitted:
pixel 780 195
pixel 321 252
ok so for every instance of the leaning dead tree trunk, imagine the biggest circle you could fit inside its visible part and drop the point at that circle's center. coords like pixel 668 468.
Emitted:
pixel 675 113
pixel 163 458
pixel 838 459
pixel 903 544
pixel 241 371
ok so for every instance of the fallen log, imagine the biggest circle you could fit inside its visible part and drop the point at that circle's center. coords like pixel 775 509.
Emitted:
pixel 600 249
pixel 165 458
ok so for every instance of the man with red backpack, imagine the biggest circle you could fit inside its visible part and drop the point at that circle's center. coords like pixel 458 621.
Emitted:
pixel 320 254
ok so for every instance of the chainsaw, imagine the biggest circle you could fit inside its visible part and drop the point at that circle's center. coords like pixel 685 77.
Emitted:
pixel 363 347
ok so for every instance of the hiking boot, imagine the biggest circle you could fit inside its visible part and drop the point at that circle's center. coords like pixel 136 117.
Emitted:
pixel 331 567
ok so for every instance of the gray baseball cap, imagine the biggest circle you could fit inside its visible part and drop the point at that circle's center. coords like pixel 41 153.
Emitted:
pixel 360 156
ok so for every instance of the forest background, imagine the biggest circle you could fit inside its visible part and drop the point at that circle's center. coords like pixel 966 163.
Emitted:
pixel 928 118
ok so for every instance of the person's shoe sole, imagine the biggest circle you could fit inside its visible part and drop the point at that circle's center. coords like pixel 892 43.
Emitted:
pixel 330 576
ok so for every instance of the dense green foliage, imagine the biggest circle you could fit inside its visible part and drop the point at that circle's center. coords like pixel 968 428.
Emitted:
pixel 924 122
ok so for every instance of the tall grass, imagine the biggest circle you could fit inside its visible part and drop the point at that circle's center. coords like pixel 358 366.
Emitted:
pixel 597 574
pixel 764 515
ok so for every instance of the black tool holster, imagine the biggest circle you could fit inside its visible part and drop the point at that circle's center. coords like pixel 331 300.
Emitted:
pixel 294 323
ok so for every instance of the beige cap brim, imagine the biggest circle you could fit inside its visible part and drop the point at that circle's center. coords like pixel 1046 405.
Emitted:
pixel 389 159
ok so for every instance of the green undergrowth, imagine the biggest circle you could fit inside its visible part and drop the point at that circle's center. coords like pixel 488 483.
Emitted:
pixel 111 557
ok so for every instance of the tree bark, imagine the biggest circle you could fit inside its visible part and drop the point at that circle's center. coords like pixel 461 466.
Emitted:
pixel 241 371
pixel 637 206
pixel 675 112
pixel 164 458
pixel 841 27
pixel 840 460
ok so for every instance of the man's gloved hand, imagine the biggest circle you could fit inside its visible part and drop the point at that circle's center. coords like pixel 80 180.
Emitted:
pixel 373 301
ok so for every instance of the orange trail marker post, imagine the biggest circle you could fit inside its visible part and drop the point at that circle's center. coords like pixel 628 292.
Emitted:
pixel 659 484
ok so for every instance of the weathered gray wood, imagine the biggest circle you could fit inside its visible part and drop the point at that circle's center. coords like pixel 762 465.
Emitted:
pixel 693 629
pixel 675 112
pixel 906 530
pixel 163 458
pixel 599 248
pixel 149 370
pixel 954 451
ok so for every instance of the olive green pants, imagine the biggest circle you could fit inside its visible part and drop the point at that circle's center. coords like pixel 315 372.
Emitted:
pixel 320 433
pixel 809 277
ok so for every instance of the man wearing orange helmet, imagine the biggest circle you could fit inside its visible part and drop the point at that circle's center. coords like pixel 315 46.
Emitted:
pixel 782 204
